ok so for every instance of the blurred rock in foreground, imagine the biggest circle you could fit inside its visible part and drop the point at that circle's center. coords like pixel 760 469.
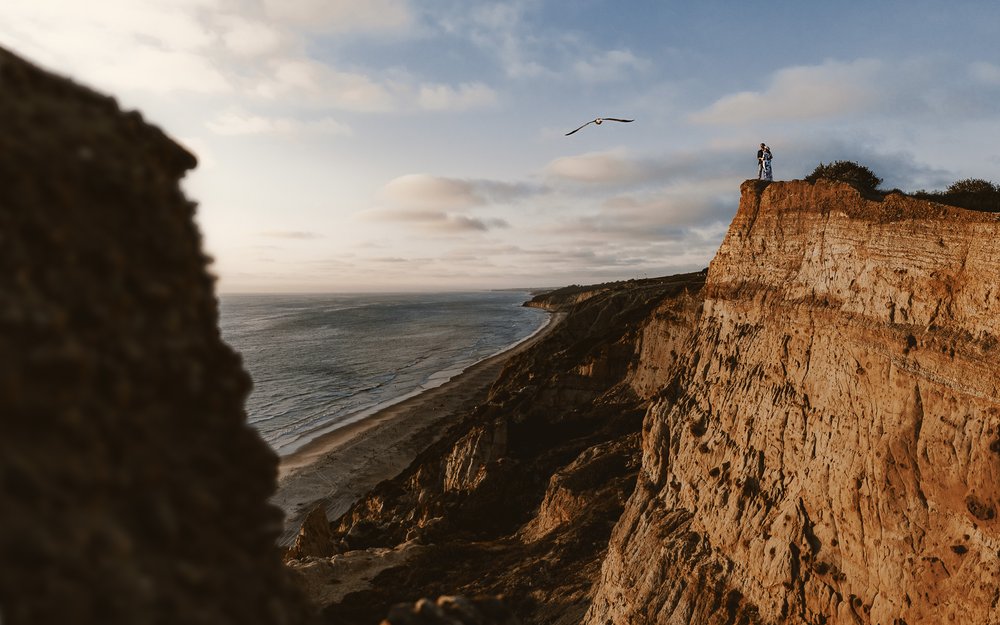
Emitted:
pixel 132 489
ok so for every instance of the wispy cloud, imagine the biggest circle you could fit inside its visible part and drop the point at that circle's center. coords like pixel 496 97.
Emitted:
pixel 619 167
pixel 434 221
pixel 438 97
pixel 609 66
pixel 500 29
pixel 833 89
pixel 344 16
pixel 426 191
pixel 236 49
pixel 238 122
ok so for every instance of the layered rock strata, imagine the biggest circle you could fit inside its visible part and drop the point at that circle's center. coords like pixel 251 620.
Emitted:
pixel 826 449
pixel 133 490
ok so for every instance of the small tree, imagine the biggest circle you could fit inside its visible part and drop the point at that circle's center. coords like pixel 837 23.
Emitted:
pixel 858 176
pixel 973 185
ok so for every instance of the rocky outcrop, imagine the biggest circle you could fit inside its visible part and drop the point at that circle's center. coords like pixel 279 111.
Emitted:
pixel 133 491
pixel 519 498
pixel 314 538
pixel 826 446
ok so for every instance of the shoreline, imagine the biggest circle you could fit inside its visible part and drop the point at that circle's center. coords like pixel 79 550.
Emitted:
pixel 337 468
pixel 436 380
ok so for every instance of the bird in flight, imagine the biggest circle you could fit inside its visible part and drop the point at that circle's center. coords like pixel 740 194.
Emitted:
pixel 599 121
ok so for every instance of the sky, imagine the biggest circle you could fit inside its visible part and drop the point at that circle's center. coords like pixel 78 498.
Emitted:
pixel 407 145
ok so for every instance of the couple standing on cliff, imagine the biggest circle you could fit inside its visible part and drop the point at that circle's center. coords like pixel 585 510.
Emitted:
pixel 764 163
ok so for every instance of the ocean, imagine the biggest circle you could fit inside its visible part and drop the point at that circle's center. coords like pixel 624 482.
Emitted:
pixel 320 362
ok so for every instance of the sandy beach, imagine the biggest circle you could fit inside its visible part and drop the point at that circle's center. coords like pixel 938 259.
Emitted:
pixel 339 467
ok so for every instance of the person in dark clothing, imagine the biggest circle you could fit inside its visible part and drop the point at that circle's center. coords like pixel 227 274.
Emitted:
pixel 760 161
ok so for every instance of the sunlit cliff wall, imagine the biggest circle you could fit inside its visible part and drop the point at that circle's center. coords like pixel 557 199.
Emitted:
pixel 825 447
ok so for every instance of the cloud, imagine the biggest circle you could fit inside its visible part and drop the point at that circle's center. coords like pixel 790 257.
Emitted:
pixel 291 234
pixel 985 73
pixel 610 66
pixel 344 16
pixel 323 85
pixel 250 38
pixel 620 168
pixel 500 29
pixel 438 97
pixel 420 190
pixel 425 191
pixel 238 122
pixel 233 48
pixel 614 167
pixel 310 82
pixel 119 45
pixel 666 215
pixel 833 89
pixel 435 221
pixel 461 223
pixel 436 204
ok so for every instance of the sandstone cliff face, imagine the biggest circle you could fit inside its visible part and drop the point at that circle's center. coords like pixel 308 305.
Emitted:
pixel 825 447
pixel 519 498
pixel 133 491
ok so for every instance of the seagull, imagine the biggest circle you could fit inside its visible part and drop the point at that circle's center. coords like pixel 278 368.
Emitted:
pixel 599 121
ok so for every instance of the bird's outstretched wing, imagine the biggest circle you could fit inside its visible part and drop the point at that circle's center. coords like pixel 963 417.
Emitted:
pixel 598 121
pixel 581 127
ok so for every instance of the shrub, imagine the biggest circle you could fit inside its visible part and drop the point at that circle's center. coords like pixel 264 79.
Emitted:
pixel 973 185
pixel 972 193
pixel 858 176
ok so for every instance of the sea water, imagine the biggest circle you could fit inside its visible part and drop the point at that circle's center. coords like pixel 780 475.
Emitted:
pixel 320 362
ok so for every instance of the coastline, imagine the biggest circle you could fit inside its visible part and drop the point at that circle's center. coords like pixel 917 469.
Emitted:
pixel 338 467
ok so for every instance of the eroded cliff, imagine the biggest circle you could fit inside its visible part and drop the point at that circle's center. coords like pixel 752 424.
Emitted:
pixel 520 497
pixel 827 446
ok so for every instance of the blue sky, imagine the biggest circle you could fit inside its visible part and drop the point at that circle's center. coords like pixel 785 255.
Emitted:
pixel 402 145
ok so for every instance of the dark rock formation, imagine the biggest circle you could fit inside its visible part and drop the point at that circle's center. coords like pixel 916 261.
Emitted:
pixel 132 489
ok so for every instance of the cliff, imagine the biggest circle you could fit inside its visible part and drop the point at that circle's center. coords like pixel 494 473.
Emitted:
pixel 819 439
pixel 828 450
pixel 809 435
pixel 133 491
pixel 519 498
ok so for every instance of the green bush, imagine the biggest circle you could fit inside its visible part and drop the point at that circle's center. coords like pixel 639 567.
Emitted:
pixel 858 176
pixel 973 185
pixel 972 193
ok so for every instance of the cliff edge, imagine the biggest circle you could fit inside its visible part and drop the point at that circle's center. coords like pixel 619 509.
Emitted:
pixel 828 450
